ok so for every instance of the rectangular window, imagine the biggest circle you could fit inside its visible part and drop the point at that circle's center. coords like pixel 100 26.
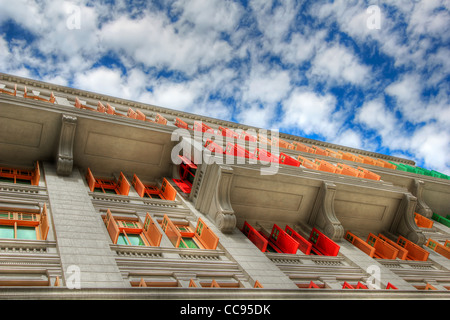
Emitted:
pixel 20 176
pixel 131 232
pixel 24 225
pixel 104 185
pixel 183 236
pixel 166 192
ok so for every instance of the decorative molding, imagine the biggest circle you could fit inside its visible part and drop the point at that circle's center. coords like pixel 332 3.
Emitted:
pixel 64 158
pixel 323 216
pixel 404 223
pixel 421 208
pixel 224 217
pixel 214 197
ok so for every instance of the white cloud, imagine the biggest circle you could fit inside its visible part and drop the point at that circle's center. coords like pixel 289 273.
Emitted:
pixel 275 22
pixel 301 46
pixel 155 42
pixel 101 80
pixel 432 144
pixel 375 116
pixel 268 86
pixel 256 115
pixel 311 113
pixel 338 64
pixel 212 16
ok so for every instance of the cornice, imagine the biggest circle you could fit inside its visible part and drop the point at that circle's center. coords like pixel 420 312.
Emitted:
pixel 120 102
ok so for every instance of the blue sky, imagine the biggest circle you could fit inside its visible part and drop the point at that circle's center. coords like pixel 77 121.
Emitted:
pixel 367 74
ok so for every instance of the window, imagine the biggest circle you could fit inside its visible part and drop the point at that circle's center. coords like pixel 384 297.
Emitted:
pixel 36 96
pixel 121 186
pixel 187 175
pixel 11 93
pixel 156 283
pixel 181 235
pixel 187 170
pixel 130 231
pixel 311 285
pixel 213 283
pixel 166 192
pixel 17 224
pixel 21 176
pixel 22 278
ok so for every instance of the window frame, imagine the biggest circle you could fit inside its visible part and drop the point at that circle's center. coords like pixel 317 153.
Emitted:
pixel 30 175
pixel 120 187
pixel 119 225
pixel 201 235
pixel 39 221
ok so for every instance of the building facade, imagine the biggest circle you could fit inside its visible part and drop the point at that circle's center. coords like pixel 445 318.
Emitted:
pixel 103 197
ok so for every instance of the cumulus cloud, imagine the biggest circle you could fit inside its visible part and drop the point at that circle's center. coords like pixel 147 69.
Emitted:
pixel 337 64
pixel 311 113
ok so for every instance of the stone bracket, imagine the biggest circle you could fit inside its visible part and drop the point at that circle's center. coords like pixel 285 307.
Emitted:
pixel 64 157
pixel 323 215
pixel 421 208
pixel 404 223
pixel 214 197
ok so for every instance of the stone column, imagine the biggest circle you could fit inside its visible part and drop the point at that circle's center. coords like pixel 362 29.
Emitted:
pixel 82 240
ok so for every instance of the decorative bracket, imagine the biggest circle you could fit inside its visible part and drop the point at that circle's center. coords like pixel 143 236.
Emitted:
pixel 422 208
pixel 214 197
pixel 64 157
pixel 225 217
pixel 323 216
pixel 404 223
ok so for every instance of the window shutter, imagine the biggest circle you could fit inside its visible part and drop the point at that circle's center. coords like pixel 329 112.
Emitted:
pixel 100 107
pixel 205 235
pixel 36 176
pixel 110 109
pixel 138 186
pixel 168 191
pixel 124 185
pixel 142 283
pixel 160 119
pixel 131 113
pixel 112 227
pixel 181 124
pixel 171 231
pixel 43 223
pixel 90 180
pixel 151 231
pixel 140 115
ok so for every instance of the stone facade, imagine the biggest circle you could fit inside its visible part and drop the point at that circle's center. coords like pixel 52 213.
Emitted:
pixel 78 258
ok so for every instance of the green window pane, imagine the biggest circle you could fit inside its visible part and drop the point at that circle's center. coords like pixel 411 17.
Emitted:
pixel 314 237
pixel 122 239
pixel 189 243
pixel 135 240
pixel 200 228
pixel 7 232
pixel 28 233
